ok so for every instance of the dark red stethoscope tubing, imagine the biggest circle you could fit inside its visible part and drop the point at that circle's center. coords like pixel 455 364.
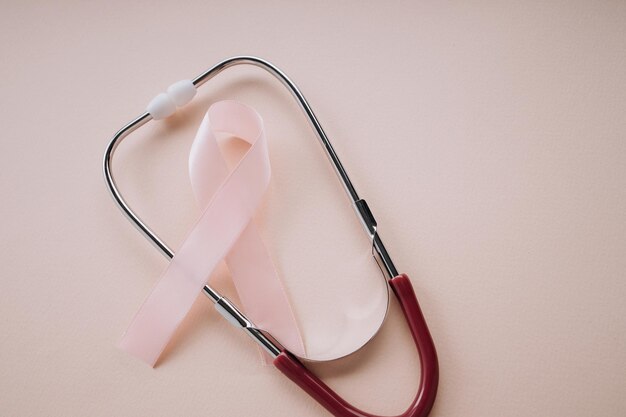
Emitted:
pixel 429 380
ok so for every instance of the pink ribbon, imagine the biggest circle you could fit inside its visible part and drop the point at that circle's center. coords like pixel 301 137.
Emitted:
pixel 225 230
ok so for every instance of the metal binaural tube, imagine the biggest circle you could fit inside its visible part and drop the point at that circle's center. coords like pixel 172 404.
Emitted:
pixel 360 206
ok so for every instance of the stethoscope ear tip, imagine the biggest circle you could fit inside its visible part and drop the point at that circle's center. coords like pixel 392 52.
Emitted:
pixel 177 95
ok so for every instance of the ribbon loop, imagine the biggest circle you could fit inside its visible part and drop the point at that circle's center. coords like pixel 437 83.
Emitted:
pixel 225 230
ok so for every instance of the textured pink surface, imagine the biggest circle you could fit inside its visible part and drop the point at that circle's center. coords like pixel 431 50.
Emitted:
pixel 499 127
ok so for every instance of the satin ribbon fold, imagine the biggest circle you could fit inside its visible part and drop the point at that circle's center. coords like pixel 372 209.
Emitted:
pixel 225 230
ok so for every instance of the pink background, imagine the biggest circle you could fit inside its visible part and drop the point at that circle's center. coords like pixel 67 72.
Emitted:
pixel 489 139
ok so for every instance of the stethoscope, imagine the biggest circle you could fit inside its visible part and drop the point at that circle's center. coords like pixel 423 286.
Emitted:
pixel 287 363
